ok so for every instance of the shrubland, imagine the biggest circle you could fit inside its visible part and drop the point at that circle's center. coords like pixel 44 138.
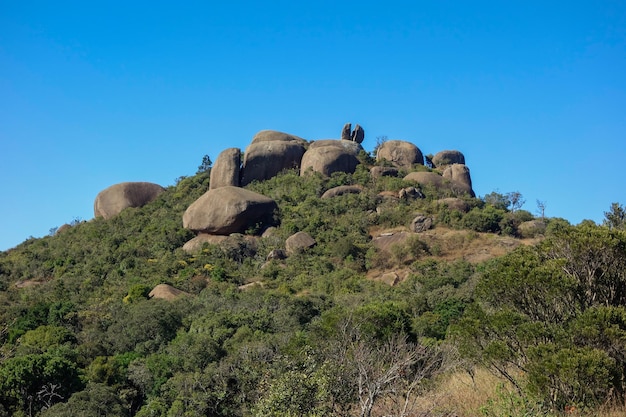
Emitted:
pixel 315 336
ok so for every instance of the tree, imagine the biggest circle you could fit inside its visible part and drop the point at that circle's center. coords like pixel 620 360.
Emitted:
pixel 205 166
pixel 615 218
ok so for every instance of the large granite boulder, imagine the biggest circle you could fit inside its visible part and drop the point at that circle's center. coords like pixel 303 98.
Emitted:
pixel 400 153
pixel 328 156
pixel 459 175
pixel 448 158
pixel 113 200
pixel 275 136
pixel 454 181
pixel 264 159
pixel 195 245
pixel 227 210
pixel 226 170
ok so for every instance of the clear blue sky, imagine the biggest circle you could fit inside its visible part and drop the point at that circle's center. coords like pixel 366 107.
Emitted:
pixel 93 93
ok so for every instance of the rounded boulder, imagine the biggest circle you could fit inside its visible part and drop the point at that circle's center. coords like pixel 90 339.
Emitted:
pixel 400 153
pixel 328 156
pixel 111 201
pixel 448 157
pixel 265 159
pixel 227 210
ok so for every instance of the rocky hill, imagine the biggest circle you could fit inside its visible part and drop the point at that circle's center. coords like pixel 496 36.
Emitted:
pixel 307 278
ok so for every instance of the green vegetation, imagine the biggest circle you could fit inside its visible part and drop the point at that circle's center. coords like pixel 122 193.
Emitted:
pixel 80 336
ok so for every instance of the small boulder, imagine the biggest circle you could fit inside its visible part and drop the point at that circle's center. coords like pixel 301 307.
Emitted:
pixel 63 228
pixel 341 190
pixel 345 132
pixel 227 210
pixel 277 254
pixel 410 193
pixel 358 134
pixel 448 158
pixel 426 178
pixel 400 153
pixel 111 201
pixel 378 171
pixel 299 242
pixel 226 170
pixel 390 278
pixel 195 245
pixel 421 223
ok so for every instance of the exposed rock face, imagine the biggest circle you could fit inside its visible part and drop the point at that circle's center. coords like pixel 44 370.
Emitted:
pixel 166 292
pixel 386 240
pixel 264 159
pixel 459 174
pixel 225 171
pixel 454 203
pixel 328 156
pixel 400 153
pixel 195 244
pixel 421 223
pixel 275 136
pixel 358 134
pixel 341 190
pixel 378 171
pixel 227 210
pixel 298 242
pixel 448 158
pixel 390 278
pixel 345 132
pixel 113 200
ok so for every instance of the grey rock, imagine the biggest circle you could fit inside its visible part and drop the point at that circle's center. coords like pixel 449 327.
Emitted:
pixel 264 160
pixel 459 175
pixel 358 134
pixel 299 242
pixel 345 132
pixel 111 201
pixel 400 153
pixel 378 171
pixel 330 156
pixel 227 210
pixel 276 136
pixel 226 170
pixel 421 223
pixel 410 193
pixel 277 254
pixel 448 157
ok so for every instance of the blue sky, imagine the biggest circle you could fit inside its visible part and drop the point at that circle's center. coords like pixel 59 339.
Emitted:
pixel 96 93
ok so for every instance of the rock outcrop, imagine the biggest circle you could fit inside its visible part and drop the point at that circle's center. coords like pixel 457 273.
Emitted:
pixel 459 175
pixel 447 158
pixel 426 178
pixel 328 156
pixel 453 203
pixel 346 132
pixel 227 210
pixel 226 170
pixel 400 153
pixel 269 153
pixel 111 201
pixel 195 245
pixel 358 134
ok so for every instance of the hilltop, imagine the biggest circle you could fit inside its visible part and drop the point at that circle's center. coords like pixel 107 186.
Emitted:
pixel 340 286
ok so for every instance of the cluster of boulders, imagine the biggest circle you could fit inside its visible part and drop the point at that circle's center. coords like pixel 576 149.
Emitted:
pixel 227 209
